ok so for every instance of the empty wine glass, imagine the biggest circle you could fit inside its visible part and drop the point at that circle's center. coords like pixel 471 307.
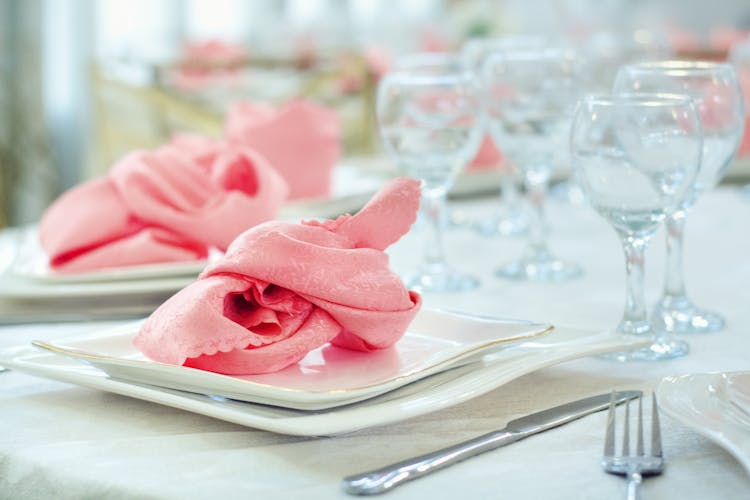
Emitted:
pixel 529 95
pixel 718 100
pixel 508 218
pixel 436 63
pixel 431 125
pixel 636 157
pixel 603 52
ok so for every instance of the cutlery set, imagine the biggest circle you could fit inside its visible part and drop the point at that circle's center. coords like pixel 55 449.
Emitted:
pixel 634 466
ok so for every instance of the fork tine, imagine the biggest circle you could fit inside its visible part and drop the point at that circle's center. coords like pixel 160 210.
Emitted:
pixel 609 440
pixel 639 443
pixel 655 428
pixel 626 431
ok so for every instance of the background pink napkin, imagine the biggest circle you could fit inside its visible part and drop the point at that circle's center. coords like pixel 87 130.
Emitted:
pixel 300 139
pixel 284 289
pixel 488 156
pixel 170 204
pixel 208 64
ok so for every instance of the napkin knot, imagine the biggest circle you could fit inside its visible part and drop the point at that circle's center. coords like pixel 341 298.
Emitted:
pixel 169 204
pixel 284 289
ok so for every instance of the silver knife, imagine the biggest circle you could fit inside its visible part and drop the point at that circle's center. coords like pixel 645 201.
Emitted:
pixel 388 477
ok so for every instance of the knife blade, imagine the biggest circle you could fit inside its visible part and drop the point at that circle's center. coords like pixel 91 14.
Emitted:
pixel 389 477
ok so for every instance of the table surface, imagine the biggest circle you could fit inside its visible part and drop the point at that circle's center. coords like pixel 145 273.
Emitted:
pixel 62 441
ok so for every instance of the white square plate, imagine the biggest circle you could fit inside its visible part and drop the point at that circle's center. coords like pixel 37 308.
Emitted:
pixel 328 376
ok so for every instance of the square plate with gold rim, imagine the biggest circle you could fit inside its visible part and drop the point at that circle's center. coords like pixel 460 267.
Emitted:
pixel 328 376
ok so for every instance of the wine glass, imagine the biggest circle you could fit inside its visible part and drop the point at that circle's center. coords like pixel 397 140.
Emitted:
pixel 603 52
pixel 718 99
pixel 436 63
pixel 430 123
pixel 529 96
pixel 636 157
pixel 508 217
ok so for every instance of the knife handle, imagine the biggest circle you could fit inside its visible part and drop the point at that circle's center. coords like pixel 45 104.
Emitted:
pixel 388 477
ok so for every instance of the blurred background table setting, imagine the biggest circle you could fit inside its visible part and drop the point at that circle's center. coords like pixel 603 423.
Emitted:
pixel 255 248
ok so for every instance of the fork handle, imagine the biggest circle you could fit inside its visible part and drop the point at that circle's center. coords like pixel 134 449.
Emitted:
pixel 634 483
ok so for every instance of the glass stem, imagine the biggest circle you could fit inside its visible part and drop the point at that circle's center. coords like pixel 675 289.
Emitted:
pixel 635 318
pixel 433 207
pixel 537 243
pixel 674 286
pixel 508 190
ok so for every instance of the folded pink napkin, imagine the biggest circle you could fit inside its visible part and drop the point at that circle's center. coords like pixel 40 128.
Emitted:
pixel 170 204
pixel 214 53
pixel 300 139
pixel 744 75
pixel 284 289
pixel 487 157
pixel 744 149
pixel 682 40
pixel 209 63
pixel 722 38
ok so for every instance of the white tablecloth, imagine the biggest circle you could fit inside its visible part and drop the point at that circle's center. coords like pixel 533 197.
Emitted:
pixel 61 441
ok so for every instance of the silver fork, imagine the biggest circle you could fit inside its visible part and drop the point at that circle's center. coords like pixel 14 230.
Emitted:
pixel 638 465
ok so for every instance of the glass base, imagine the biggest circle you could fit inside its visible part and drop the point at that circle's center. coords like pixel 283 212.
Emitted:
pixel 660 350
pixel 679 315
pixel 506 222
pixel 440 279
pixel 550 269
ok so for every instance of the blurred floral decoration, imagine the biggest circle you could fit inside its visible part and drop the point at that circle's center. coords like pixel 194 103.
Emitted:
pixel 28 179
pixel 194 93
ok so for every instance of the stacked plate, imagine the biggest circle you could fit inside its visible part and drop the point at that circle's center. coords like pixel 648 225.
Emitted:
pixel 444 359
pixel 31 292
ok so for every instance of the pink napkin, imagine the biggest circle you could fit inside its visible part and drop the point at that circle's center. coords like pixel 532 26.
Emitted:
pixel 284 289
pixel 209 63
pixel 744 75
pixel 300 139
pixel 214 53
pixel 744 149
pixel 170 204
pixel 487 157
pixel 722 38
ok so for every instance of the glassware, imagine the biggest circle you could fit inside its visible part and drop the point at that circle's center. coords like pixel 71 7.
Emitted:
pixel 636 157
pixel 435 63
pixel 739 56
pixel 431 125
pixel 529 95
pixel 508 218
pixel 718 99
pixel 603 52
